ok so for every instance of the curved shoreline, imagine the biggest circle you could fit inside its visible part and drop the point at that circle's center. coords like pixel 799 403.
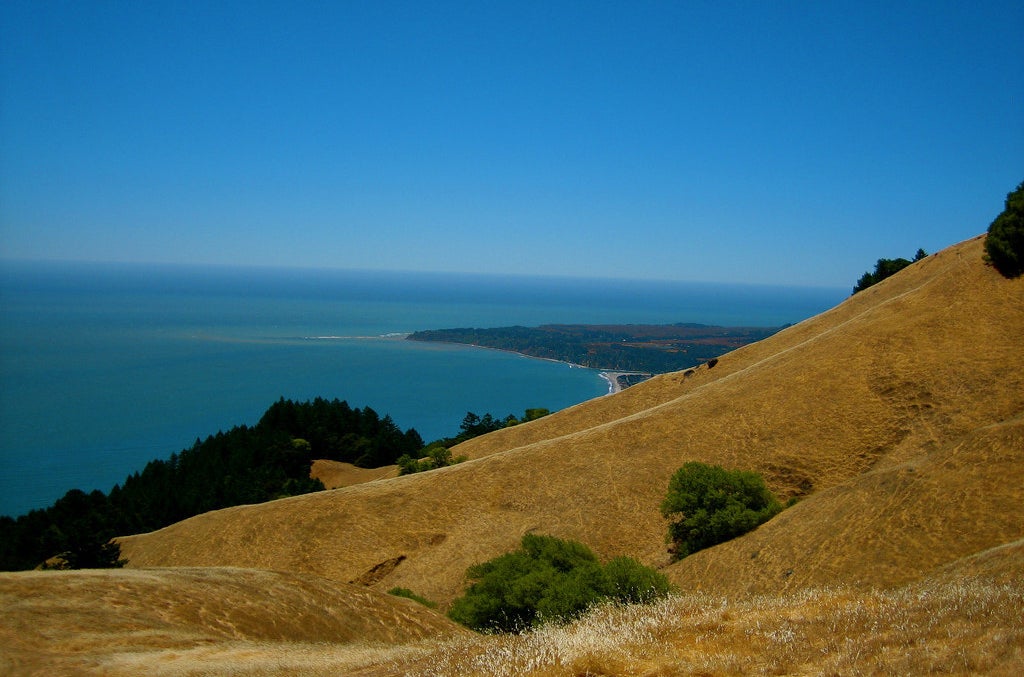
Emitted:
pixel 610 377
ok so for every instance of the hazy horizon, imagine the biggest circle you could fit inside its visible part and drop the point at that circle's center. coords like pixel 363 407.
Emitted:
pixel 270 268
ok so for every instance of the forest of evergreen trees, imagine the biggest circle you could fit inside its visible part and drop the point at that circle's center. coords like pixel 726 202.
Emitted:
pixel 244 465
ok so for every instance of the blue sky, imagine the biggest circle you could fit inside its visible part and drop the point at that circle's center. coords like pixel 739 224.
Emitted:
pixel 762 142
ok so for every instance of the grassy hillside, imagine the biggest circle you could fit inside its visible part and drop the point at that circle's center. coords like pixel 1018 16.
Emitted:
pixel 903 370
pixel 897 419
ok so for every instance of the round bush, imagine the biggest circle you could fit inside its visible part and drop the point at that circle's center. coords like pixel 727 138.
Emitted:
pixel 711 505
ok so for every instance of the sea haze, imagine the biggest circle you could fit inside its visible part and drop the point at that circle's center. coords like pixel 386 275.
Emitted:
pixel 104 367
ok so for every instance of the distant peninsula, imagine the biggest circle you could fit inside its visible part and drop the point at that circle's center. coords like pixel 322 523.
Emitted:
pixel 641 348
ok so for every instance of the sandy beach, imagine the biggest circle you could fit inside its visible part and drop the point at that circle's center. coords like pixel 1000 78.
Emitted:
pixel 614 384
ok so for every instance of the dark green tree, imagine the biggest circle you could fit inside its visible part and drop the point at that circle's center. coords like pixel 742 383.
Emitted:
pixel 80 534
pixel 1004 244
pixel 710 505
pixel 549 580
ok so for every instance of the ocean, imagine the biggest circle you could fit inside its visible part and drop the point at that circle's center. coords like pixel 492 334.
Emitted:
pixel 104 367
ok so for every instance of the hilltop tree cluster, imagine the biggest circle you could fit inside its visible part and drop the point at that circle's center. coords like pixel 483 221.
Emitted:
pixel 885 268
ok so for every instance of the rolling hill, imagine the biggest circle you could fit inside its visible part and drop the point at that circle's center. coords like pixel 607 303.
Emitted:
pixel 896 420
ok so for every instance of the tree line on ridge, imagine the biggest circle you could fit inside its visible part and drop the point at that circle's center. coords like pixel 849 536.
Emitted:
pixel 246 464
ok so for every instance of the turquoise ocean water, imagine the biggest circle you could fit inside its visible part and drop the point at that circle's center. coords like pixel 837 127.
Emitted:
pixel 104 367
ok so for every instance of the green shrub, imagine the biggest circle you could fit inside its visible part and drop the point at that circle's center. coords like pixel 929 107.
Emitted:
pixel 632 583
pixel 436 456
pixel 1004 245
pixel 409 594
pixel 711 505
pixel 549 579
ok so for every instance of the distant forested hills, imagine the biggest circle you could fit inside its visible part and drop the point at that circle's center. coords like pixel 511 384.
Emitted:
pixel 631 347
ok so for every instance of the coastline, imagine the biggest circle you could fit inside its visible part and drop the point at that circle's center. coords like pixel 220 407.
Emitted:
pixel 619 380
pixel 613 381
pixel 613 378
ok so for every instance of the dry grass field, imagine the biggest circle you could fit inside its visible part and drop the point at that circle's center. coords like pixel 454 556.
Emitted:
pixel 335 474
pixel 167 621
pixel 896 419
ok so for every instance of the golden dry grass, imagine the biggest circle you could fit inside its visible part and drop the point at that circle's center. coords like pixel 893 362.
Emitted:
pixel 166 621
pixel 897 418
pixel 335 474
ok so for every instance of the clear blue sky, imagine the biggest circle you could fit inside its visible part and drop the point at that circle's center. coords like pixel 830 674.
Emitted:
pixel 765 142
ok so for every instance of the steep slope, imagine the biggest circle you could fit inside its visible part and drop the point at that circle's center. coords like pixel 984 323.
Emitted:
pixel 164 620
pixel 848 401
pixel 884 527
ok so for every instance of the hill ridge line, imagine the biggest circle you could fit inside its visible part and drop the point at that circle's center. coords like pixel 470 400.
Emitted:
pixel 774 356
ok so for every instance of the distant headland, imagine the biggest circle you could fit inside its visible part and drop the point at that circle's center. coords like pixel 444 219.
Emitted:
pixel 628 353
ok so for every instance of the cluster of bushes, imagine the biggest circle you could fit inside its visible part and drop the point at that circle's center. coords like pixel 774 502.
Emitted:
pixel 409 594
pixel 548 579
pixel 885 268
pixel 474 426
pixel 437 455
pixel 337 432
pixel 552 580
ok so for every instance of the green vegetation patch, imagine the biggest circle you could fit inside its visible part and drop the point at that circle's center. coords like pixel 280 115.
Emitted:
pixel 550 580
pixel 437 456
pixel 710 505
pixel 886 268
pixel 409 594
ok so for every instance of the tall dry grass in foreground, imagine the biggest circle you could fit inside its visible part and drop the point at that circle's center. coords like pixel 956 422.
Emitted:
pixel 970 628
